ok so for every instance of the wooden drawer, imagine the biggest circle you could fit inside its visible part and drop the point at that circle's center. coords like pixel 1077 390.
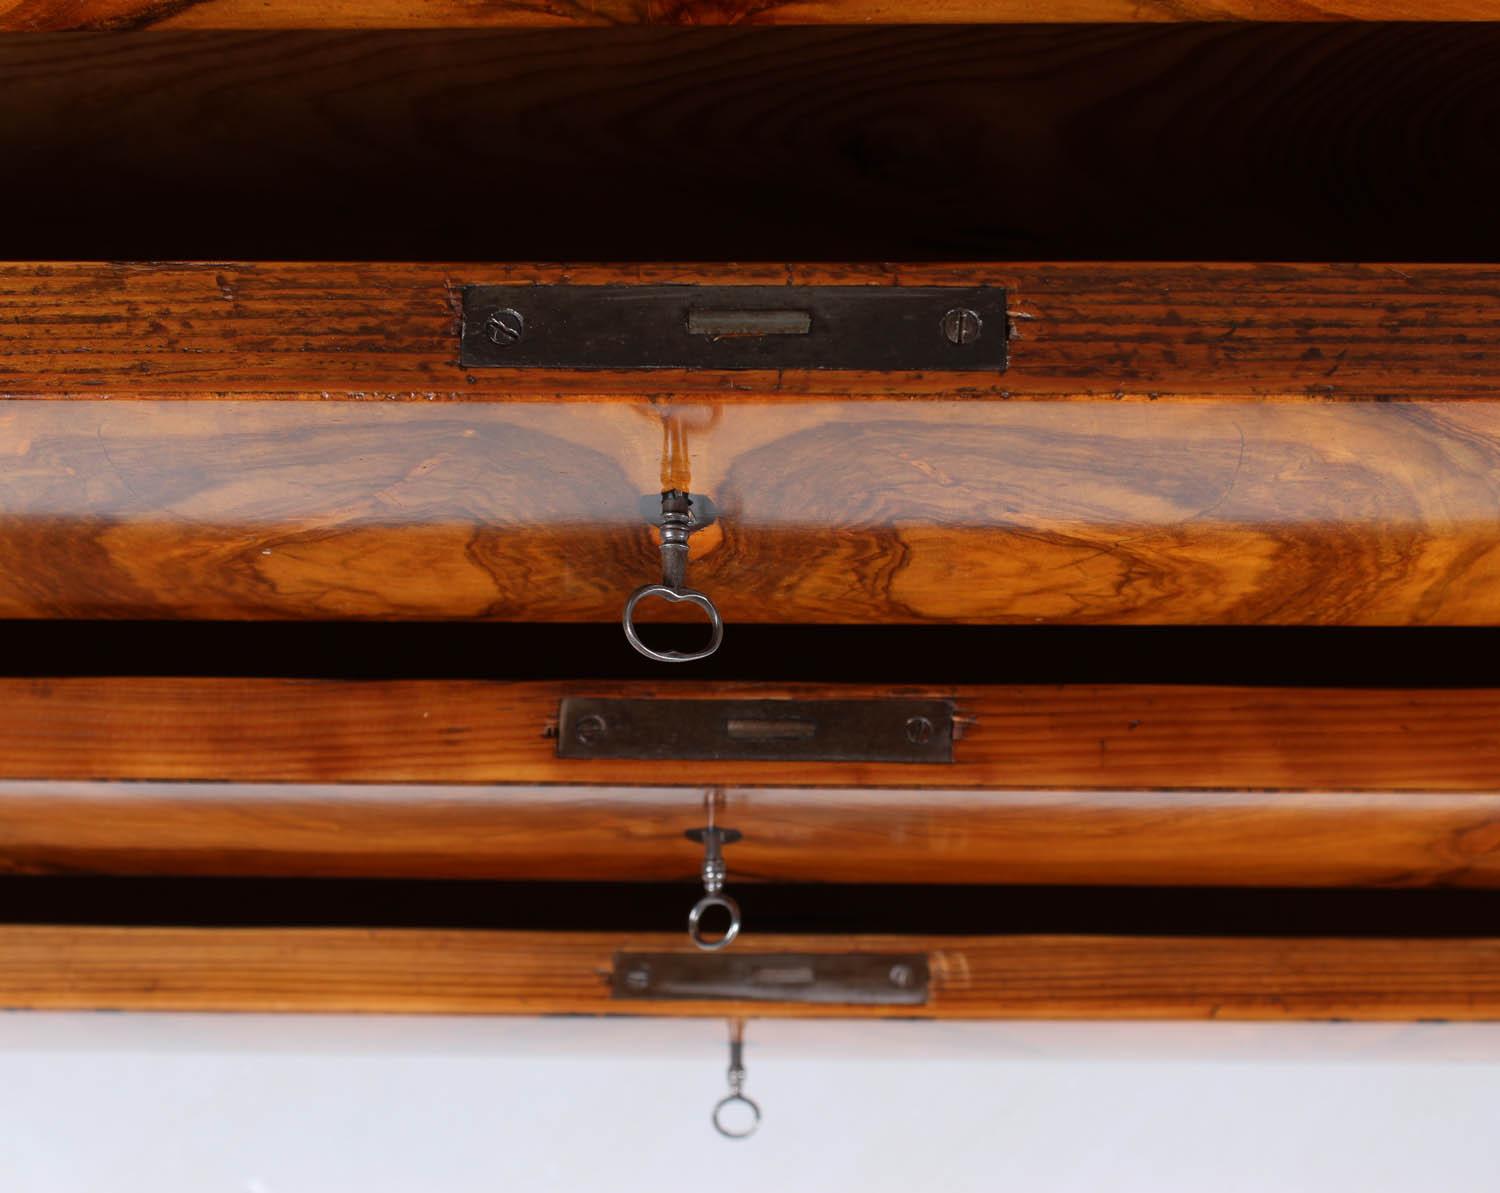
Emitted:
pixel 1195 444
pixel 443 779
pixel 232 391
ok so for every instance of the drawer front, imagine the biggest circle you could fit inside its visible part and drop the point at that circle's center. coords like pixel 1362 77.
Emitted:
pixel 1168 444
pixel 438 779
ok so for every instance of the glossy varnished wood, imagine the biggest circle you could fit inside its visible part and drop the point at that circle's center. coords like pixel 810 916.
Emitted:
pixel 1209 786
pixel 1160 493
pixel 866 835
pixel 1347 142
pixel 1202 511
pixel 34 15
pixel 475 972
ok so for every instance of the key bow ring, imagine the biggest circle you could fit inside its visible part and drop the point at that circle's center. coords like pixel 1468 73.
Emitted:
pixel 677 523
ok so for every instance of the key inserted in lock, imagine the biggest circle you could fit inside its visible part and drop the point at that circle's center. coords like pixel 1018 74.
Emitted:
pixel 713 839
pixel 677 523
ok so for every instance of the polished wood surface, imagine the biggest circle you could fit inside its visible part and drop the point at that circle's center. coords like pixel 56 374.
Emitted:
pixel 1099 737
pixel 865 835
pixel 384 333
pixel 1169 491
pixel 515 973
pixel 1181 142
pixel 33 15
pixel 1205 511
pixel 1128 785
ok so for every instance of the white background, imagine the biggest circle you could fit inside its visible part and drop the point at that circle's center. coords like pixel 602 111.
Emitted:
pixel 302 1104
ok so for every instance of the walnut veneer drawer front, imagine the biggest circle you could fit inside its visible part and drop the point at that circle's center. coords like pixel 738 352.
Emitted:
pixel 1159 444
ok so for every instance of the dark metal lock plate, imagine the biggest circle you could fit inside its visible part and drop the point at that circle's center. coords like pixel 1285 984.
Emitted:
pixel 843 979
pixel 867 328
pixel 757 730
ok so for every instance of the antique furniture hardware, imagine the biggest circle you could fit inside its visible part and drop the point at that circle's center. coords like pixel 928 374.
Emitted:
pixel 892 730
pixel 873 499
pixel 677 523
pixel 824 979
pixel 720 324
pixel 868 328
pixel 735 1102
pixel 713 839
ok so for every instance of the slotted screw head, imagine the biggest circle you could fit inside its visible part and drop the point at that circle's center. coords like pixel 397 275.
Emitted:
pixel 639 977
pixel 918 731
pixel 902 976
pixel 505 327
pixel 962 326
pixel 590 728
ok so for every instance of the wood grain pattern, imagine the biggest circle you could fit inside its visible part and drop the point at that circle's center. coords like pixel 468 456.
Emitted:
pixel 33 15
pixel 1126 785
pixel 1193 512
pixel 864 835
pixel 389 332
pixel 1099 737
pixel 514 973
pixel 1313 142
pixel 510 506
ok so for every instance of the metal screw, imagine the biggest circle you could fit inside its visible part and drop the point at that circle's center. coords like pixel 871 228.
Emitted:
pixel 505 327
pixel 639 977
pixel 902 976
pixel 590 729
pixel 919 731
pixel 962 326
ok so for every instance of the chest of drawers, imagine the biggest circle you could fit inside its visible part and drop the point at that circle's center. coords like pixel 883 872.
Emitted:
pixel 323 487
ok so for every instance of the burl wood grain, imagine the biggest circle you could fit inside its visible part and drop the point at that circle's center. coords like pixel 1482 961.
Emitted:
pixel 1207 786
pixel 520 973
pixel 33 15
pixel 1189 512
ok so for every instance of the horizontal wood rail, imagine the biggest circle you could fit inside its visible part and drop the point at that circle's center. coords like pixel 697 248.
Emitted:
pixel 1176 838
pixel 33 15
pixel 1086 784
pixel 1101 737
pixel 385 332
pixel 517 973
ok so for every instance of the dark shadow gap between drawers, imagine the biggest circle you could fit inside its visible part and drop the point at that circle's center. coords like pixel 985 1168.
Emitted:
pixel 1280 655
pixel 768 908
pixel 1176 142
